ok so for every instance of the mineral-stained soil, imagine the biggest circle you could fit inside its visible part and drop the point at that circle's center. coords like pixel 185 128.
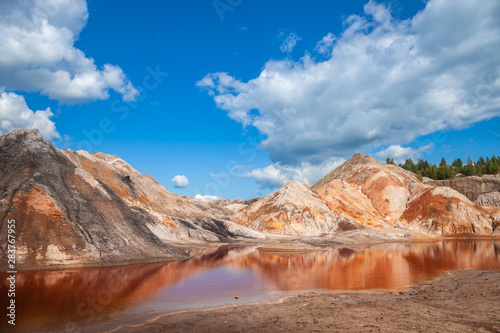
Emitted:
pixel 364 193
pixel 461 301
pixel 72 209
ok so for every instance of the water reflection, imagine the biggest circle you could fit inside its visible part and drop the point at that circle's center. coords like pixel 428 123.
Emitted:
pixel 51 299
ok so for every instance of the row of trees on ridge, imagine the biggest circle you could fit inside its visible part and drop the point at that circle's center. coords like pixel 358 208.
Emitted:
pixel 490 165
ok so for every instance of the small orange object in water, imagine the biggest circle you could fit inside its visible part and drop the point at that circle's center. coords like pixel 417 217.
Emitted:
pixel 236 297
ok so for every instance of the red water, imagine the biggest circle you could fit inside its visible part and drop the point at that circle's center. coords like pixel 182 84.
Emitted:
pixel 59 299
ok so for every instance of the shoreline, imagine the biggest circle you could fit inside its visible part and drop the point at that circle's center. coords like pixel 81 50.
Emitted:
pixel 466 300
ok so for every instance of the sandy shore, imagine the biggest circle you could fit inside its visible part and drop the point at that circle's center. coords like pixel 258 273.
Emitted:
pixel 461 301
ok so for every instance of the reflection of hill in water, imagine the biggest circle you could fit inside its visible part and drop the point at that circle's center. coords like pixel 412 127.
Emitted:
pixel 388 266
pixel 52 298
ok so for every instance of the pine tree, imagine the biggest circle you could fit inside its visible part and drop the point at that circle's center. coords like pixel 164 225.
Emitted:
pixel 457 163
pixel 442 173
pixel 430 172
pixel 469 168
pixel 496 168
pixel 422 165
pixel 480 166
pixel 495 160
pixel 496 164
pixel 489 169
pixel 410 166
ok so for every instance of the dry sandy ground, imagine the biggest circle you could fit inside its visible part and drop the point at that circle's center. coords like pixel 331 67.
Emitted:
pixel 461 301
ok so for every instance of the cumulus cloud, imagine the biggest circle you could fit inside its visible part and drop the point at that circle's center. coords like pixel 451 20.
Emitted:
pixel 383 82
pixel 278 174
pixel 15 114
pixel 38 54
pixel 180 181
pixel 207 198
pixel 288 41
pixel 400 154
pixel 325 46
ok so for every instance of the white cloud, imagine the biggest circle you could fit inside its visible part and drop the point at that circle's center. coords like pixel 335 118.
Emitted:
pixel 15 114
pixel 278 174
pixel 385 82
pixel 325 46
pixel 288 41
pixel 269 177
pixel 180 181
pixel 400 154
pixel 207 198
pixel 38 54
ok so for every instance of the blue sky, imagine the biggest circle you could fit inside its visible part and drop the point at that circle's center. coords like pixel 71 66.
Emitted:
pixel 241 96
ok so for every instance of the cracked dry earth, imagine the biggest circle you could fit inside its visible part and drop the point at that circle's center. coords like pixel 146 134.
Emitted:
pixel 461 301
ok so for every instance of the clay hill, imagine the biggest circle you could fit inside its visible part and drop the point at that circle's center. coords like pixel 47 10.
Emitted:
pixel 76 208
pixel 365 193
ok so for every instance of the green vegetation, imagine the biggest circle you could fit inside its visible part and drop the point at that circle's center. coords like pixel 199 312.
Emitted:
pixel 423 168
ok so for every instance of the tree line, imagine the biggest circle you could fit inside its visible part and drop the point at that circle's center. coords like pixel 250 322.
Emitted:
pixel 490 165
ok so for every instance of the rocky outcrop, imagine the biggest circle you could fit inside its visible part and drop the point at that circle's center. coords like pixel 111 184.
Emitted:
pixel 364 192
pixel 402 201
pixel 347 200
pixel 444 211
pixel 387 187
pixel 184 219
pixel 360 193
pixel 475 188
pixel 489 199
pixel 221 209
pixel 81 209
pixel 294 209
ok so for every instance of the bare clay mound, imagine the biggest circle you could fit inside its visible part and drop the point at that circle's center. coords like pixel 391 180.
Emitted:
pixel 461 301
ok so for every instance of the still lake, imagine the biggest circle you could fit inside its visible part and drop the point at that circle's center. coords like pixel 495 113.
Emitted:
pixel 54 300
